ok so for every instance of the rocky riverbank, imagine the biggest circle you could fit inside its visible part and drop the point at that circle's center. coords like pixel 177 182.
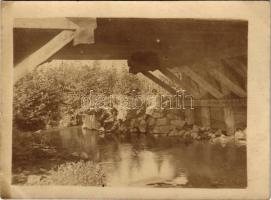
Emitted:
pixel 160 123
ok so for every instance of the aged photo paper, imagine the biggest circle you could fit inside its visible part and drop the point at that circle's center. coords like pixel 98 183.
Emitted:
pixel 135 100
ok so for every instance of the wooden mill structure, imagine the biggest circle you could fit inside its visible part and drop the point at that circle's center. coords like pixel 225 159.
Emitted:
pixel 210 55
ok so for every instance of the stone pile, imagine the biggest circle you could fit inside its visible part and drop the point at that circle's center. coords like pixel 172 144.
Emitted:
pixel 169 123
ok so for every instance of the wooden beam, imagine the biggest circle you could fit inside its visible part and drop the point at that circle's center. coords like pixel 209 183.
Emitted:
pixel 45 23
pixel 220 102
pixel 233 65
pixel 42 54
pixel 227 82
pixel 202 83
pixel 179 82
pixel 200 102
pixel 159 82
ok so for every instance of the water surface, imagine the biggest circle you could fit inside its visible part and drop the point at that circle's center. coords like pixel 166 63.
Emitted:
pixel 140 160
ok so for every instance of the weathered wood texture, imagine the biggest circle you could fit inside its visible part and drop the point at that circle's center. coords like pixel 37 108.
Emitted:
pixel 177 42
pixel 45 23
pixel 203 83
pixel 42 54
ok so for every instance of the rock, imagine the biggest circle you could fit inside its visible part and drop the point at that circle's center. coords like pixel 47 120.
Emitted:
pixel 133 130
pixel 171 116
pixel 123 128
pixel 91 122
pixel 161 129
pixel 218 133
pixel 162 121
pixel 142 126
pixel 181 133
pixel 75 154
pixel 181 180
pixel 178 123
pixel 134 123
pixel 194 135
pixel 84 155
pixel 65 121
pixel 195 128
pixel 173 132
pixel 157 114
pixel 151 121
pixel 240 135
pixel 33 179
pixel 43 170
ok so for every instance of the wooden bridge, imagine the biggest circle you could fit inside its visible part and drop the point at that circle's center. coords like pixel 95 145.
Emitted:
pixel 210 55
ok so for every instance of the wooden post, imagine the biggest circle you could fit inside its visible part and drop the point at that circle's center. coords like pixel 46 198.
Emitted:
pixel 229 120
pixel 205 117
pixel 189 116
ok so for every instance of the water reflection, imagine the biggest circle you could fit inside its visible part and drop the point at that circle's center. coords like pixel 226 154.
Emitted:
pixel 165 162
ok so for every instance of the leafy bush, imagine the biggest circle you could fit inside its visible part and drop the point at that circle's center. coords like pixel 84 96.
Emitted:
pixel 54 90
pixel 73 173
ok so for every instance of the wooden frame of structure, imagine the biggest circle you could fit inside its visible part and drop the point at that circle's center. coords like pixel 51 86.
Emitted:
pixel 213 86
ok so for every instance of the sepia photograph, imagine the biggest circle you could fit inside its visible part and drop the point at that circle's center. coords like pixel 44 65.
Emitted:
pixel 131 102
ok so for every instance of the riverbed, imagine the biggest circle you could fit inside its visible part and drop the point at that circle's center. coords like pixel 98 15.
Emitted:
pixel 135 160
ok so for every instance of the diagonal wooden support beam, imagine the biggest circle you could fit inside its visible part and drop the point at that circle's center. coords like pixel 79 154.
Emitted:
pixel 179 82
pixel 159 82
pixel 230 84
pixel 202 82
pixel 234 67
pixel 42 54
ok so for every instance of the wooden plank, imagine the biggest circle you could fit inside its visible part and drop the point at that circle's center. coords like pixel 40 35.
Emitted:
pixel 202 83
pixel 42 54
pixel 227 82
pixel 159 82
pixel 233 65
pixel 179 82
pixel 45 23
pixel 220 102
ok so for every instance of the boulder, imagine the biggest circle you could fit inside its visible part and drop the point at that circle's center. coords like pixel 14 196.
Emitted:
pixel 194 135
pixel 123 128
pixel 195 128
pixel 65 121
pixel 218 133
pixel 134 123
pixel 33 180
pixel 142 126
pixel 181 133
pixel 171 116
pixel 240 135
pixel 181 180
pixel 157 114
pixel 162 121
pixel 161 129
pixel 151 121
pixel 178 123
pixel 173 132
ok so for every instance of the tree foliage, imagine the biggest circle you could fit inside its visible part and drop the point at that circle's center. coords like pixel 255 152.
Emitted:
pixel 48 93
